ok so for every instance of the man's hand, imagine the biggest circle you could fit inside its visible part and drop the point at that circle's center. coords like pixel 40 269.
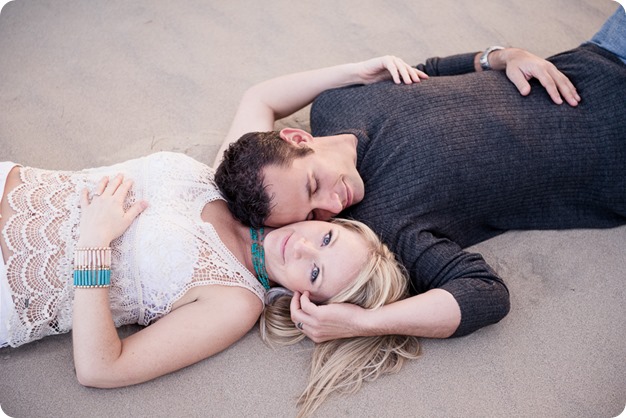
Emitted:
pixel 521 66
pixel 326 322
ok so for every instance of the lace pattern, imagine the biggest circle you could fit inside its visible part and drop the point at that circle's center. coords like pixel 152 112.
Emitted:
pixel 164 253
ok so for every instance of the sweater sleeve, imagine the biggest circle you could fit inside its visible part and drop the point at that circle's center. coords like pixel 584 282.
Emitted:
pixel 452 65
pixel 435 262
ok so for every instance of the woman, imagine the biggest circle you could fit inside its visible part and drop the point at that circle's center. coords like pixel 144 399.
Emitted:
pixel 183 267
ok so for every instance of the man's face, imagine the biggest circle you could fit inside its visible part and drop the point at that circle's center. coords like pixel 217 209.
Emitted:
pixel 317 186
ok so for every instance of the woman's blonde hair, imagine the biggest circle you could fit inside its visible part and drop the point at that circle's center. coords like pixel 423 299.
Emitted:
pixel 342 365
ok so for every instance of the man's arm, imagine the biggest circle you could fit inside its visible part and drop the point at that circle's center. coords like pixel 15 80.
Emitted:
pixel 519 65
pixel 458 294
pixel 433 314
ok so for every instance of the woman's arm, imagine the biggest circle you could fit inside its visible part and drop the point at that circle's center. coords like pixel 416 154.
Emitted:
pixel 216 319
pixel 279 97
pixel 103 219
pixel 183 337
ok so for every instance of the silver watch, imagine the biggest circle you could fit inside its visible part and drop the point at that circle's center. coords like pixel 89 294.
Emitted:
pixel 484 58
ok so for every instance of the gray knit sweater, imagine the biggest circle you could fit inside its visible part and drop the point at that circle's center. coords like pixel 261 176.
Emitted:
pixel 462 157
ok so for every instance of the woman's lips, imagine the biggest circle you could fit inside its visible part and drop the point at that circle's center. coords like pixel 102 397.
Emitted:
pixel 284 245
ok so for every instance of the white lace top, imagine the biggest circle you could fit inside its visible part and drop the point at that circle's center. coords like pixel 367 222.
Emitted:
pixel 165 252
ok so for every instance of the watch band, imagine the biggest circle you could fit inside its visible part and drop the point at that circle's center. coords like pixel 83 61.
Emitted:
pixel 484 58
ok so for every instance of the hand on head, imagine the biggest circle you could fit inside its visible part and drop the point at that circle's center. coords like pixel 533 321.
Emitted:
pixel 325 322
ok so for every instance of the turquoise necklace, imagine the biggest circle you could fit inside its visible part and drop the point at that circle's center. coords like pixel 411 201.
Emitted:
pixel 258 257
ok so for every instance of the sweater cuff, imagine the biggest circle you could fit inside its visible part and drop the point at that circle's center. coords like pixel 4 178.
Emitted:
pixel 452 65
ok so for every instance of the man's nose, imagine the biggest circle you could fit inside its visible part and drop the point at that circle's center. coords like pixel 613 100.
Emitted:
pixel 329 207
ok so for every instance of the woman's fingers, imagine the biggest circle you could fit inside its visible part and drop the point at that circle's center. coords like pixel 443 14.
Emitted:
pixel 407 73
pixel 392 68
pixel 113 184
pixel 135 210
pixel 101 186
pixel 123 188
pixel 84 198
pixel 116 186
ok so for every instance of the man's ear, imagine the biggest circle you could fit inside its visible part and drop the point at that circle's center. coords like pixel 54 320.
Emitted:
pixel 296 137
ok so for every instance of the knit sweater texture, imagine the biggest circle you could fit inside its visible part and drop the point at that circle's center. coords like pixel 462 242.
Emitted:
pixel 462 157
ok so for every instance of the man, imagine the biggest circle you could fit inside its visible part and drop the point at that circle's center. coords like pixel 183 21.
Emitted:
pixel 440 165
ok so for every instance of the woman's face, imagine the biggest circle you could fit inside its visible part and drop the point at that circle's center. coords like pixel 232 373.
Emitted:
pixel 320 257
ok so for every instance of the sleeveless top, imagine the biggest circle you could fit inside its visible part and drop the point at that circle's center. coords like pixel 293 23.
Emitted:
pixel 166 251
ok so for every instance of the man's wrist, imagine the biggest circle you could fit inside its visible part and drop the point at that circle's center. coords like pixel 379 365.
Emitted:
pixel 486 59
pixel 366 323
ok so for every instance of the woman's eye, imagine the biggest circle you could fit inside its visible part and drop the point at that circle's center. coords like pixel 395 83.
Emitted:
pixel 327 238
pixel 314 273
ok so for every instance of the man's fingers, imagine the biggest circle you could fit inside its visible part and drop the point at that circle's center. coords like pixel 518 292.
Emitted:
pixel 556 84
pixel 565 86
pixel 519 80
pixel 548 83
pixel 570 97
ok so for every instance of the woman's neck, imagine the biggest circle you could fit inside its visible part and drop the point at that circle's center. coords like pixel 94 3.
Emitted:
pixel 233 234
pixel 245 241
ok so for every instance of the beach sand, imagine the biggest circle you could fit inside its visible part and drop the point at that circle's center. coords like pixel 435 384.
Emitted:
pixel 89 83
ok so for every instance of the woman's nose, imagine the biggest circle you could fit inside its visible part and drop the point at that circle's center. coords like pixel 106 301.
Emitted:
pixel 303 248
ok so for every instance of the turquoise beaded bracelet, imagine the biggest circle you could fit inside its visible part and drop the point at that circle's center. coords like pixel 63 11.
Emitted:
pixel 92 267
pixel 92 278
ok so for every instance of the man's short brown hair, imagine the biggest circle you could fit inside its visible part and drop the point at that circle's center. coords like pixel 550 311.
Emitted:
pixel 240 174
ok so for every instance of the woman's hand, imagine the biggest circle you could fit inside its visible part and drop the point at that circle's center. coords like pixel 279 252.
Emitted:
pixel 325 322
pixel 103 218
pixel 389 67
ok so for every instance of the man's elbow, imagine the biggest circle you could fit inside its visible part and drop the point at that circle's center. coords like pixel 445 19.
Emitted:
pixel 488 312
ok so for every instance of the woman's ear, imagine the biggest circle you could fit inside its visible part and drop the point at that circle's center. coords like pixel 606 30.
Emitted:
pixel 295 136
